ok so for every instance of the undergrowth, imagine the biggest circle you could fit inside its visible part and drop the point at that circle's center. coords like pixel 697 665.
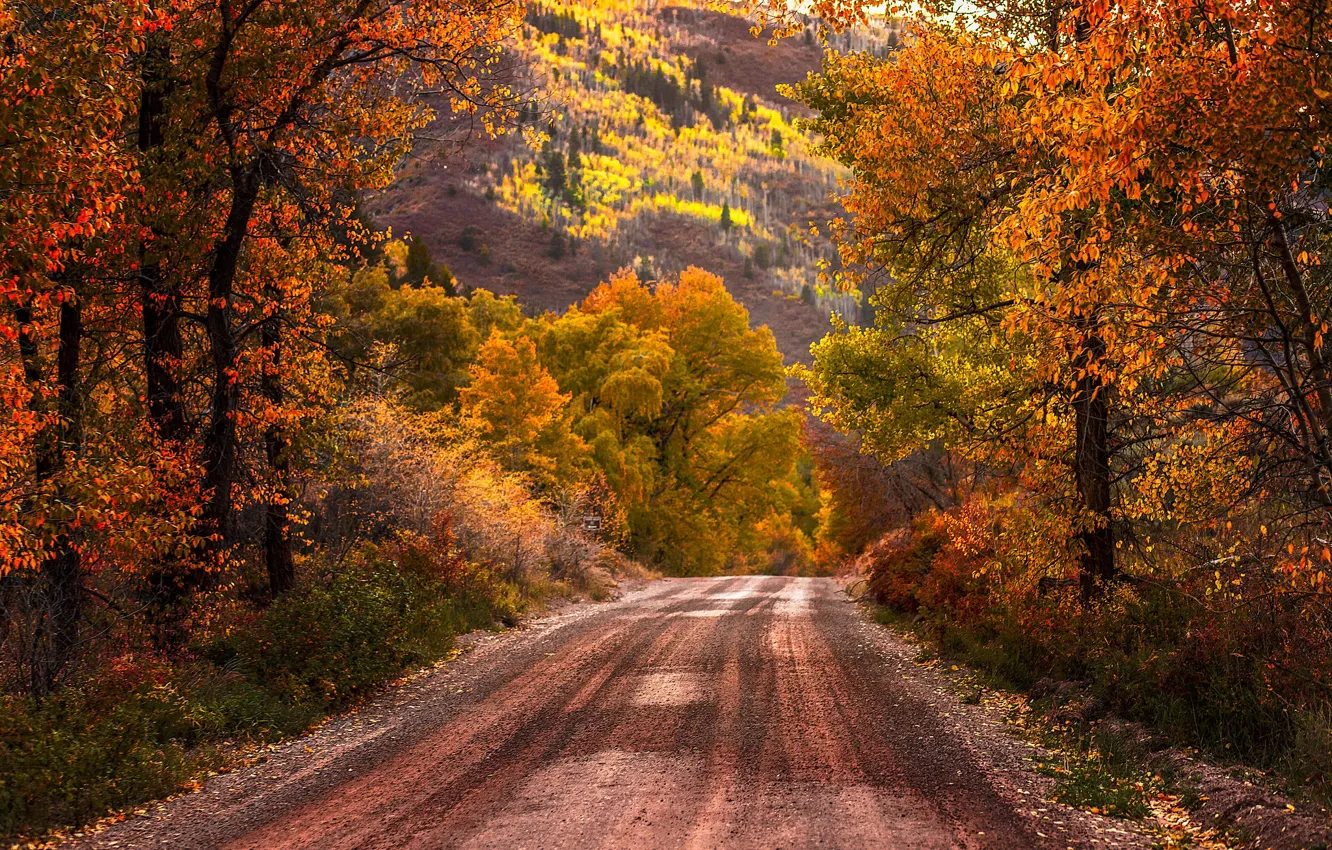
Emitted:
pixel 1227 685
pixel 1094 768
pixel 143 727
pixel 1101 771
pixel 1101 767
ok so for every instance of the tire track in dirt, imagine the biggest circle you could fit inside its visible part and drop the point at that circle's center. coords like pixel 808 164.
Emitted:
pixel 452 785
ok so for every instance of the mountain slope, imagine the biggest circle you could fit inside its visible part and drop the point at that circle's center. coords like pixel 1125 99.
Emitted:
pixel 660 119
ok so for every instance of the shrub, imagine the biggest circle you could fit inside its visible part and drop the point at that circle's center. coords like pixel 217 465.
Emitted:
pixel 1241 681
pixel 358 626
pixel 324 646
pixel 142 728
pixel 86 750
pixel 898 564
pixel 470 238
pixel 461 500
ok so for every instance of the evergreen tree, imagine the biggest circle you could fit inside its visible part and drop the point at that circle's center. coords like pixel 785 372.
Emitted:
pixel 557 178
pixel 419 268
pixel 417 261
pixel 575 158
pixel 763 255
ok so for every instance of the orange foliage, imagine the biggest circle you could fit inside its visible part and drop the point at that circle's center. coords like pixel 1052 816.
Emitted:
pixel 937 563
pixel 179 189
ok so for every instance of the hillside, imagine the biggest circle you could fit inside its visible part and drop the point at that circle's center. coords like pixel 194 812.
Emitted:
pixel 654 119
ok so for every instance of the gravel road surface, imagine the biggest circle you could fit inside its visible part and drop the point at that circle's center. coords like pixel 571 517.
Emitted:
pixel 756 712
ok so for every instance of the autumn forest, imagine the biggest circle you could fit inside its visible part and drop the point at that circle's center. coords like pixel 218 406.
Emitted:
pixel 333 331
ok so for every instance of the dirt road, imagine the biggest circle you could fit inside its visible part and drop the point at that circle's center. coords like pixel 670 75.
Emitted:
pixel 741 712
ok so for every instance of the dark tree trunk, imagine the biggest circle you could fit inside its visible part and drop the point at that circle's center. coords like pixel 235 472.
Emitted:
pixel 163 347
pixel 277 534
pixel 59 581
pixel 1305 325
pixel 163 350
pixel 160 299
pixel 1091 406
pixel 221 453
pixel 27 343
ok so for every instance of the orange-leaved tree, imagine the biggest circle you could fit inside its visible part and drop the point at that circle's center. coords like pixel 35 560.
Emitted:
pixel 180 185
pixel 511 400
pixel 1097 236
pixel 937 141
pixel 68 181
pixel 273 117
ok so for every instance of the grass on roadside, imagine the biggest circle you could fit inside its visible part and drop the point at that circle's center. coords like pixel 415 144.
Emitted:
pixel 1102 772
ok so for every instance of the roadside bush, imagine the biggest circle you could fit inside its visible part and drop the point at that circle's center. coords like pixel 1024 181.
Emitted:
pixel 1241 675
pixel 896 565
pixel 935 564
pixel 144 727
pixel 451 493
pixel 91 749
pixel 357 627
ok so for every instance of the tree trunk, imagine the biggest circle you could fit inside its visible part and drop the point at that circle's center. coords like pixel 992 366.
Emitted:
pixel 159 299
pixel 221 454
pixel 163 350
pixel 163 347
pixel 1091 407
pixel 1307 323
pixel 59 579
pixel 277 535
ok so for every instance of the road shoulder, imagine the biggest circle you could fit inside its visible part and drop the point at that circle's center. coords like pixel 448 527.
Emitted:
pixel 996 745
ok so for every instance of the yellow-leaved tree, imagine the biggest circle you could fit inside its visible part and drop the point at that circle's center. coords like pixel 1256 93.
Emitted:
pixel 514 405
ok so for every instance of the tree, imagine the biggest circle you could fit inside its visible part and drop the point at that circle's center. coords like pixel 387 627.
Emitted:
pixel 421 269
pixel 1231 206
pixel 556 181
pixel 575 158
pixel 675 395
pixel 725 221
pixel 68 183
pixel 1100 239
pixel 763 255
pixel 280 115
pixel 511 399
pixel 420 338
pixel 181 185
pixel 933 208
pixel 555 250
